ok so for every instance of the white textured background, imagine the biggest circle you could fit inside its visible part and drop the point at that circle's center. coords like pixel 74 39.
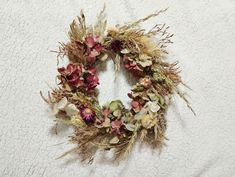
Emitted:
pixel 204 45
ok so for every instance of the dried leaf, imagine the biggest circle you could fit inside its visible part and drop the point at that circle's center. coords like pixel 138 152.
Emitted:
pixel 114 140
pixel 145 63
pixel 130 127
pixel 71 109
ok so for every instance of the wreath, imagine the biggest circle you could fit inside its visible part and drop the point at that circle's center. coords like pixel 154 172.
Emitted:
pixel 112 126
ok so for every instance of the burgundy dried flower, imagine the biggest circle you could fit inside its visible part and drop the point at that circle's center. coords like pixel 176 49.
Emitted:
pixel 72 74
pixel 105 112
pixel 91 70
pixel 91 79
pixel 87 114
pixel 116 46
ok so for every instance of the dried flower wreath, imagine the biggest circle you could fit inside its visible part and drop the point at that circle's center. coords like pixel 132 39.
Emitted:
pixel 112 126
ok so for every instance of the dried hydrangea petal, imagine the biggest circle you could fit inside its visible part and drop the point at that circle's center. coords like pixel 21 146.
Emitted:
pixel 77 121
pixel 153 106
pixel 125 51
pixel 59 106
pixel 71 109
pixel 62 103
pixel 114 140
pixel 130 127
pixel 148 121
pixel 115 105
pixel 145 63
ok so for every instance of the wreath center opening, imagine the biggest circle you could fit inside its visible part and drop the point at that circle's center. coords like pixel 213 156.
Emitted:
pixel 114 85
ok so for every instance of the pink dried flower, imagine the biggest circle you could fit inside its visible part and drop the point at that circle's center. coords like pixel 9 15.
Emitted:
pixel 136 106
pixel 93 53
pixel 132 66
pixel 90 41
pixel 115 126
pixel 98 47
pixel 105 112
pixel 87 114
pixel 94 48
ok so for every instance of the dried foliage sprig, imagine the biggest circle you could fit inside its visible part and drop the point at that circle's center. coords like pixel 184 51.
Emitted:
pixel 112 126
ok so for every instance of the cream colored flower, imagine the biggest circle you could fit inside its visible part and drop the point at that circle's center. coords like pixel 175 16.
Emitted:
pixel 130 127
pixel 114 140
pixel 140 114
pixel 153 106
pixel 148 121
pixel 147 115
pixel 112 31
pixel 77 121
pixel 64 105
pixel 125 51
pixel 71 109
pixel 60 105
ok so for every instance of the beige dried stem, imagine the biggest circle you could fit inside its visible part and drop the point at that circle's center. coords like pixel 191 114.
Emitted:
pixel 137 22
pixel 100 26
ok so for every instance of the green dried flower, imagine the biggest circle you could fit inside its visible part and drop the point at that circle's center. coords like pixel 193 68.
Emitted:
pixel 115 105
